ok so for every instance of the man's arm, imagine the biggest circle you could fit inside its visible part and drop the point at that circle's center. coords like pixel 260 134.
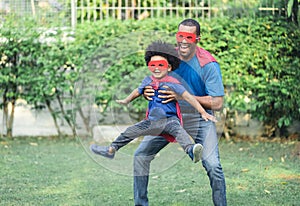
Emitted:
pixel 134 94
pixel 193 101
pixel 208 102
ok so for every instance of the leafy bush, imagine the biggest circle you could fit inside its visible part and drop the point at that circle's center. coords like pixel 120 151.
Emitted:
pixel 37 65
pixel 259 60
pixel 18 51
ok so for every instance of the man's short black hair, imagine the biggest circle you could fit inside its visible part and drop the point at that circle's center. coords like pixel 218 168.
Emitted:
pixel 191 22
pixel 166 50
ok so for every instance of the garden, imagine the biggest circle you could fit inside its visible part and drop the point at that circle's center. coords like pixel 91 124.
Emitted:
pixel 76 74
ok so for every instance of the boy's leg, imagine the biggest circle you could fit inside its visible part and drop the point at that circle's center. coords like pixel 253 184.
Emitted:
pixel 130 134
pixel 123 139
pixel 174 128
pixel 142 128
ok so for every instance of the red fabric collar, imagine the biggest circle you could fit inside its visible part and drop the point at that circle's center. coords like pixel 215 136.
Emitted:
pixel 203 56
pixel 167 78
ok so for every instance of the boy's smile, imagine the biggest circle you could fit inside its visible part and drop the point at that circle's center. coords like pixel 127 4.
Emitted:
pixel 159 67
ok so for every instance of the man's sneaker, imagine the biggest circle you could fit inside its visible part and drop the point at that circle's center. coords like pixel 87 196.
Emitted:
pixel 195 152
pixel 102 150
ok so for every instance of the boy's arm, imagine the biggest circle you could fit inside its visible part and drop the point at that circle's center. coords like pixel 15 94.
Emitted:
pixel 192 100
pixel 209 102
pixel 134 94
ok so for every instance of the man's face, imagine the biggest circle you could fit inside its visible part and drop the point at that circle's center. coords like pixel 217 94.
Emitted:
pixel 186 43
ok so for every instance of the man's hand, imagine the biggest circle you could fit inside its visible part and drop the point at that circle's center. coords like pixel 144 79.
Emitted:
pixel 148 92
pixel 168 95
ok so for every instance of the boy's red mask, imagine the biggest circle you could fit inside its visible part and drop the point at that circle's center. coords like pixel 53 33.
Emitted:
pixel 160 64
pixel 189 37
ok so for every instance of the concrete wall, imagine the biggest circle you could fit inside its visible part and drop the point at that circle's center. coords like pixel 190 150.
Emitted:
pixel 29 122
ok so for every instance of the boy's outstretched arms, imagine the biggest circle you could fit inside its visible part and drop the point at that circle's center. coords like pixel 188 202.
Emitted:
pixel 134 94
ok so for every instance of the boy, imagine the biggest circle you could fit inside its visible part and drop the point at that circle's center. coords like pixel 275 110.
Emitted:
pixel 162 118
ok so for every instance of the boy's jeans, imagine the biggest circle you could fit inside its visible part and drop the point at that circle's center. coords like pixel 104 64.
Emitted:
pixel 203 132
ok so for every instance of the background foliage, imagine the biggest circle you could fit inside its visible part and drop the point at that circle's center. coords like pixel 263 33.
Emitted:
pixel 259 59
pixel 133 9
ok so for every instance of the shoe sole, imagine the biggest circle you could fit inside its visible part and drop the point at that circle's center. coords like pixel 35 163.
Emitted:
pixel 197 152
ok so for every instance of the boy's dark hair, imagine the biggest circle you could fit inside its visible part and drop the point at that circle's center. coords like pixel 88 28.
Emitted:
pixel 166 50
pixel 191 22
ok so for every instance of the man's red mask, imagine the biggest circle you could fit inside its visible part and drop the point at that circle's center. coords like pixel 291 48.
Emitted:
pixel 160 64
pixel 189 37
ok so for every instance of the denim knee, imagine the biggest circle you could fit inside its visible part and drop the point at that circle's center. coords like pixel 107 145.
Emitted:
pixel 213 169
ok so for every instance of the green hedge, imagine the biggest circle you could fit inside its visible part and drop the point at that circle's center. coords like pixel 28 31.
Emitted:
pixel 259 60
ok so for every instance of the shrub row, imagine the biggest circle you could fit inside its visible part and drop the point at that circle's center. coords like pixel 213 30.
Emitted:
pixel 103 60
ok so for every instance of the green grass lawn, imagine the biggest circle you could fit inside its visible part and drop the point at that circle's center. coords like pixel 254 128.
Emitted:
pixel 47 171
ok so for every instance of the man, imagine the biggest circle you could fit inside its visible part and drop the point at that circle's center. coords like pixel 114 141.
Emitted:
pixel 200 74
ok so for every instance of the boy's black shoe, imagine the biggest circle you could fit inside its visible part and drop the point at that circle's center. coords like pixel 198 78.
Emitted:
pixel 102 150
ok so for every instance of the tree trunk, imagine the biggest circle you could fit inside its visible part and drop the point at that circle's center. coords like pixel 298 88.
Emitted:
pixel 66 117
pixel 295 11
pixel 293 17
pixel 10 120
pixel 48 103
pixel 8 115
pixel 86 120
pixel 5 110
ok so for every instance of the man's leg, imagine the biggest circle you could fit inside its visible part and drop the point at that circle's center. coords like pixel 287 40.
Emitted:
pixel 211 162
pixel 204 132
pixel 143 156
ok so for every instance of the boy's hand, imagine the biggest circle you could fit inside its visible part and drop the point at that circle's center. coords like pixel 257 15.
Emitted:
pixel 148 93
pixel 207 117
pixel 122 101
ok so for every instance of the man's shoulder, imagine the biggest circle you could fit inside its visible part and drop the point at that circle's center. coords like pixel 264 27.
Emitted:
pixel 204 57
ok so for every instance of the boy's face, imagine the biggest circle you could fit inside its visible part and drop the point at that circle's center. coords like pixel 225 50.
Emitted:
pixel 159 67
pixel 186 43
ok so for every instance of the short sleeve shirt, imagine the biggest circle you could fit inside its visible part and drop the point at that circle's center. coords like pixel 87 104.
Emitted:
pixel 199 81
pixel 157 109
